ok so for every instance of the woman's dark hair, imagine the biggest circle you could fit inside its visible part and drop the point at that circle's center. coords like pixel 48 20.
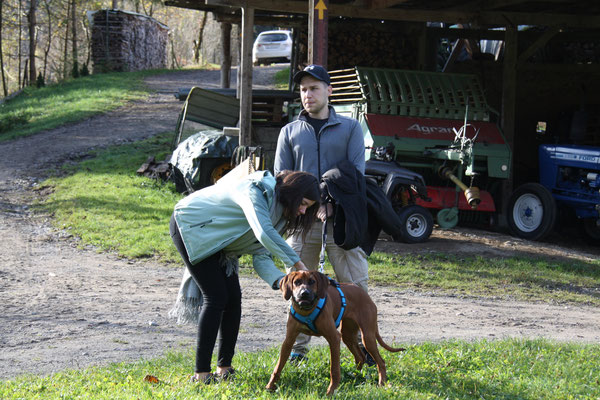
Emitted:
pixel 291 188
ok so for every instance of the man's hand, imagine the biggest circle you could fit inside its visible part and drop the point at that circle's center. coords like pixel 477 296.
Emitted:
pixel 325 210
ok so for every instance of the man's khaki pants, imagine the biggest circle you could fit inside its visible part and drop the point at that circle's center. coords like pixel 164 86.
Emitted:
pixel 348 265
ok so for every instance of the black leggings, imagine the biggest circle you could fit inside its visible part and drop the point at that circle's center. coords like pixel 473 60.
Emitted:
pixel 221 308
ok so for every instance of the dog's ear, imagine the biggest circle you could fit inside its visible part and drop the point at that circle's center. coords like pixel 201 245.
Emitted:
pixel 323 282
pixel 286 285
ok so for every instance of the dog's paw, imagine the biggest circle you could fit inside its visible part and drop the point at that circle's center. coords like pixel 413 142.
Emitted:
pixel 271 387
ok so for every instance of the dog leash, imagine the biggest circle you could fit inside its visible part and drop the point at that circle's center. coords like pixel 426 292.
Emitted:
pixel 323 244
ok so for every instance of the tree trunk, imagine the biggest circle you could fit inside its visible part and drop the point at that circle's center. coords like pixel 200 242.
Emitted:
pixel 25 74
pixel 49 44
pixel 150 10
pixel 198 47
pixel 174 62
pixel 31 17
pixel 74 38
pixel 19 41
pixel 86 29
pixel 4 88
pixel 115 4
pixel 66 44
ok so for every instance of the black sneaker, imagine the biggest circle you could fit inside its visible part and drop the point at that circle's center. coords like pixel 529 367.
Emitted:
pixel 297 358
pixel 368 359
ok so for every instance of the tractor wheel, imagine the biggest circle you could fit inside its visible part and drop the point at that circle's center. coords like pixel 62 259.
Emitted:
pixel 210 171
pixel 591 229
pixel 220 171
pixel 416 224
pixel 447 218
pixel 531 212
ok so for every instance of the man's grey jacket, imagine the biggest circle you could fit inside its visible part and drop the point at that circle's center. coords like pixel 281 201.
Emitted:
pixel 300 149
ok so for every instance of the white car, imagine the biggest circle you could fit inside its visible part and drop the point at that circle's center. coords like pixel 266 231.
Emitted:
pixel 272 46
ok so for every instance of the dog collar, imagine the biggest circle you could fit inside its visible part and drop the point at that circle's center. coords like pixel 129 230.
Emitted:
pixel 309 320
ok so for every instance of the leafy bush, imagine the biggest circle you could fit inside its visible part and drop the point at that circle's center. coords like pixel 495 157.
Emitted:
pixel 40 82
pixel 13 120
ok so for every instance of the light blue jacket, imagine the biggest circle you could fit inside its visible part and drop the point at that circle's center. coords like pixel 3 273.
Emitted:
pixel 238 220
pixel 300 149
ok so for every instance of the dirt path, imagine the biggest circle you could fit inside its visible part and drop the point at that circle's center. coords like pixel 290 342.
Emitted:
pixel 70 308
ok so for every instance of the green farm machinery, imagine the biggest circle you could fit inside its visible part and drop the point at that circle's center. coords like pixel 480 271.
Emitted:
pixel 438 125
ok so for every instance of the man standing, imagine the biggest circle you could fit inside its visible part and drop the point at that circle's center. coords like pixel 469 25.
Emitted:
pixel 315 143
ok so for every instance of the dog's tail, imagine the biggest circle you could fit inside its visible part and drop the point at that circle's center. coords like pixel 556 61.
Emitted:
pixel 386 346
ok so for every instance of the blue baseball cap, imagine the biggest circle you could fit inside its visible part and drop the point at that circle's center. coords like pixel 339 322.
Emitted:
pixel 316 71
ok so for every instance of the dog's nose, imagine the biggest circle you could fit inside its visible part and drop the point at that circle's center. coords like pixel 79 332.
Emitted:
pixel 305 294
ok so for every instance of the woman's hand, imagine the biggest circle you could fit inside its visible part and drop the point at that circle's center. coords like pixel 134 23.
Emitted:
pixel 299 266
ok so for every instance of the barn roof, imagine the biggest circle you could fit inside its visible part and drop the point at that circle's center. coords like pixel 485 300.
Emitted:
pixel 481 13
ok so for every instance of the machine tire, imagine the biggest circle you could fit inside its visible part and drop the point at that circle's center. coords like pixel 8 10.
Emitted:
pixel 211 170
pixel 531 212
pixel 416 224
pixel 447 218
pixel 591 229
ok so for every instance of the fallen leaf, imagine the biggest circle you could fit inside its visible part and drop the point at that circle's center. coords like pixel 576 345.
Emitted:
pixel 151 379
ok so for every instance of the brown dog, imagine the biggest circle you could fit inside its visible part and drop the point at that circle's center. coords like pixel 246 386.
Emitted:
pixel 305 288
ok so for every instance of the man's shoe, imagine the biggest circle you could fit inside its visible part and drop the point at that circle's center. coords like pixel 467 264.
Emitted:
pixel 297 358
pixel 368 359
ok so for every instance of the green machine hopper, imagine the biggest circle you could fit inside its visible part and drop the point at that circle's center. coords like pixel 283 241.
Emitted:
pixel 439 125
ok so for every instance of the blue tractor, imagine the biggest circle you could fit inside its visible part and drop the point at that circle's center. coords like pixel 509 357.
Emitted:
pixel 569 182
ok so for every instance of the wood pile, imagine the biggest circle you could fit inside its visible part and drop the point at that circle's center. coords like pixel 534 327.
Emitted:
pixel 366 44
pixel 582 52
pixel 125 41
pixel 155 169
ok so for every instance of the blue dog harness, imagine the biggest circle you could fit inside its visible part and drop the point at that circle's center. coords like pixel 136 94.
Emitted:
pixel 309 320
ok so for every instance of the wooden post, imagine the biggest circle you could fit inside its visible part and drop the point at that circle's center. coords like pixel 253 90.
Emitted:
pixel 246 77
pixel 225 54
pixel 509 85
pixel 294 60
pixel 427 52
pixel 509 97
pixel 317 32
pixel 422 50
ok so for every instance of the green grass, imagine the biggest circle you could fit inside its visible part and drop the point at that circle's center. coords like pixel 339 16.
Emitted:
pixel 519 278
pixel 282 79
pixel 35 109
pixel 105 203
pixel 508 369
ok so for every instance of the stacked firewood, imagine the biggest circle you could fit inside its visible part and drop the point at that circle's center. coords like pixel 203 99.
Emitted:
pixel 365 45
pixel 582 52
pixel 123 41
